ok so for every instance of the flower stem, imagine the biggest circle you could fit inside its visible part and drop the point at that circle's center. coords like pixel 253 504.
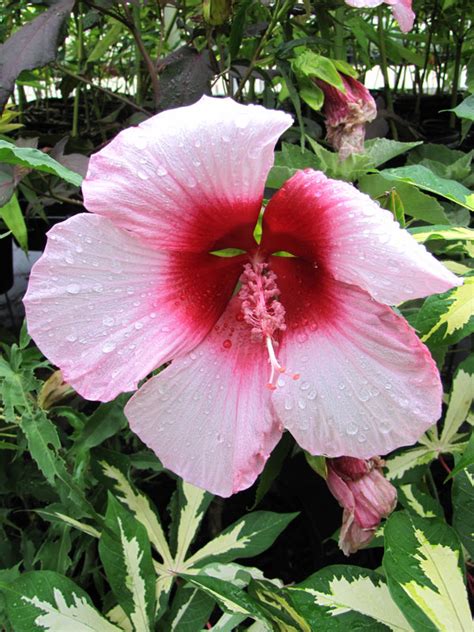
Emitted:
pixel 384 69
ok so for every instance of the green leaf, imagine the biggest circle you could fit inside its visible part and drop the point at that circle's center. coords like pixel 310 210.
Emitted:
pixel 462 395
pixel 104 423
pixel 447 318
pixel 272 468
pixel 466 459
pixel 237 28
pixel 419 502
pixel 190 610
pixel 35 159
pixel 229 597
pixel 43 443
pixel 44 600
pixel 247 537
pixel 106 42
pixel 415 203
pixel 425 179
pixel 278 606
pixel 424 234
pixel 463 508
pixel 192 505
pixel 125 552
pixel 13 218
pixel 141 508
pixel 422 563
pixel 381 150
pixel 465 109
pixel 312 95
pixel 312 65
pixel 341 598
pixel 400 465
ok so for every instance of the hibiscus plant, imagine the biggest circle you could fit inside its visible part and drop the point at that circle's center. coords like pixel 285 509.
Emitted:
pixel 240 397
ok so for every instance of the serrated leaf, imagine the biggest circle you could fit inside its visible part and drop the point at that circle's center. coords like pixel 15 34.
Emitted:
pixel 36 159
pixel 140 506
pixel 422 562
pixel 43 442
pixel 247 537
pixel 462 395
pixel 425 179
pixel 44 600
pixel 124 549
pixel 447 318
pixel 348 598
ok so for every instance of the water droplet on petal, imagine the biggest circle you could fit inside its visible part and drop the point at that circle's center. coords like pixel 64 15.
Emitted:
pixel 71 338
pixel 227 344
pixel 73 288
pixel 108 346
pixel 161 171
pixel 352 429
pixel 288 402
pixel 108 321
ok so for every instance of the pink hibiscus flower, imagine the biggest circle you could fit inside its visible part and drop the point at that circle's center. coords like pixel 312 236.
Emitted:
pixel 401 9
pixel 134 284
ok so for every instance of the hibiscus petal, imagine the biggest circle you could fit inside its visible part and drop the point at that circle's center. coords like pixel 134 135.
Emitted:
pixel 207 416
pixel 367 384
pixel 191 178
pixel 345 232
pixel 107 309
pixel 403 14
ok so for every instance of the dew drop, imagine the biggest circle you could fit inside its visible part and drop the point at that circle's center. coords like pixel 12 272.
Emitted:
pixel 73 288
pixel 161 171
pixel 138 326
pixel 108 321
pixel 312 395
pixel 220 438
pixel 352 429
pixel 385 427
pixel 142 175
pixel 79 249
pixel 301 404
pixel 227 344
pixel 69 259
pixel 98 287
pixel 108 346
pixel 71 338
pixel 288 402
pixel 305 386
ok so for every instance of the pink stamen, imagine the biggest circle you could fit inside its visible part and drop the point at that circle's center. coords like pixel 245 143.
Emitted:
pixel 263 311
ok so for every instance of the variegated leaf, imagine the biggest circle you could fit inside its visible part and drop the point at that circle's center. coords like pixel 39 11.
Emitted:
pixel 140 506
pixel 230 598
pixel 463 508
pixel 340 598
pixel 400 465
pixel 190 610
pixel 419 502
pixel 248 537
pixel 460 400
pixel 44 600
pixel 117 615
pixel 449 317
pixel 192 505
pixel 125 552
pixel 422 563
pixel 277 604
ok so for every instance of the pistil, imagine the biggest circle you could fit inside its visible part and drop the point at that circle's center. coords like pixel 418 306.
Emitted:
pixel 263 311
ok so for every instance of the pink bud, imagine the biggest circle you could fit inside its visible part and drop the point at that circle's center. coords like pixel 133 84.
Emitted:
pixel 365 495
pixel 346 114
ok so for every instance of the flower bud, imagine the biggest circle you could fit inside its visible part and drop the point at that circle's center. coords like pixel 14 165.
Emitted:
pixel 365 495
pixel 346 114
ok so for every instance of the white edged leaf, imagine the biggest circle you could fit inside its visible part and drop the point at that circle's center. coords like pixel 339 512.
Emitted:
pixel 192 505
pixel 462 395
pixel 400 465
pixel 117 615
pixel 190 610
pixel 419 502
pixel 463 508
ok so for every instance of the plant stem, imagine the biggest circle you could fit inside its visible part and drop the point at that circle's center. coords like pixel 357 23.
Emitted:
pixel 384 69
pixel 339 47
pixel 80 52
pixel 119 97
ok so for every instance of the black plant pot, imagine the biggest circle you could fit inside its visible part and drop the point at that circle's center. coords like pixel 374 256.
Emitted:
pixel 38 227
pixel 6 264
